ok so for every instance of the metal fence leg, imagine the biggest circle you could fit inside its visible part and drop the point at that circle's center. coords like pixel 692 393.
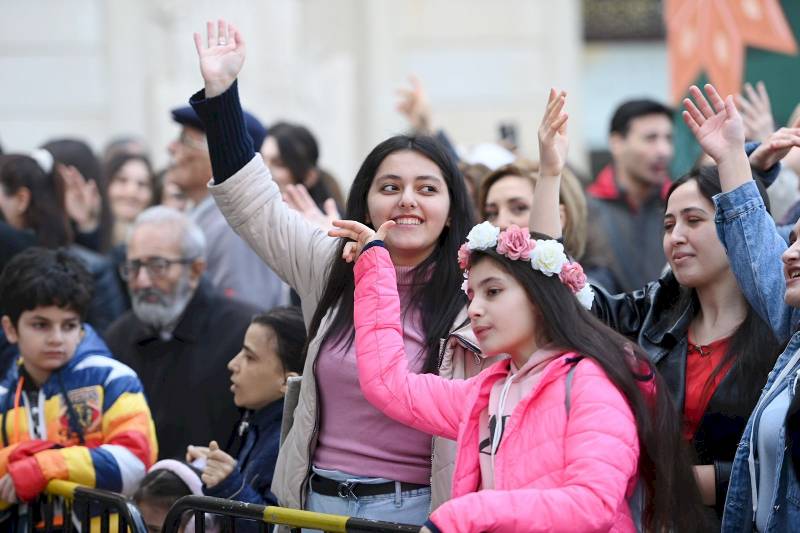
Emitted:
pixel 104 521
pixel 199 522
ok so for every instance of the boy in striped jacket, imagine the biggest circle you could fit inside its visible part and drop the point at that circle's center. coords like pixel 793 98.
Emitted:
pixel 68 410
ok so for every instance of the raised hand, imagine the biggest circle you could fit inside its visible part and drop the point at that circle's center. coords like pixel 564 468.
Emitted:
pixel 82 200
pixel 298 199
pixel 414 105
pixel 222 58
pixel 553 140
pixel 776 147
pixel 719 129
pixel 756 112
pixel 360 233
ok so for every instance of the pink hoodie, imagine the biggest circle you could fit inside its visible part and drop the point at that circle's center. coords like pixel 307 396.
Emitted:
pixel 552 473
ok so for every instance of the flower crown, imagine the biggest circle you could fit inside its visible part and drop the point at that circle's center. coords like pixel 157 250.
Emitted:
pixel 546 256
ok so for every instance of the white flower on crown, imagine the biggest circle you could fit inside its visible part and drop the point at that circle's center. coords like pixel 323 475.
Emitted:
pixel 585 296
pixel 548 257
pixel 483 236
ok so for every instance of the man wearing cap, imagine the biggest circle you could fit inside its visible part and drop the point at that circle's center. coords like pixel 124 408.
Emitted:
pixel 232 266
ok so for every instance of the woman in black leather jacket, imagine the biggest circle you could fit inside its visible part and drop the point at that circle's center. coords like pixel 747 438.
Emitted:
pixel 683 318
pixel 712 349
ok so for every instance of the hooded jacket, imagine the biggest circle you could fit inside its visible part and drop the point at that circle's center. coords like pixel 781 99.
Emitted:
pixel 585 462
pixel 93 428
pixel 300 254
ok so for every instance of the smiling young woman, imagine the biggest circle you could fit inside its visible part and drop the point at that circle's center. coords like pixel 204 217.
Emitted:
pixel 409 180
pixel 764 476
pixel 712 348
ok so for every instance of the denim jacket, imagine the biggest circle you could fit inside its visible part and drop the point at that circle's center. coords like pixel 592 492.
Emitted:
pixel 754 248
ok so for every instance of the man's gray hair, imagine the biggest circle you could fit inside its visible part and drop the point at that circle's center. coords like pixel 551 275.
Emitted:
pixel 193 241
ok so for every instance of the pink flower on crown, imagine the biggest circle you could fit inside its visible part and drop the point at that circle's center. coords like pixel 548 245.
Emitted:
pixel 463 257
pixel 573 277
pixel 515 243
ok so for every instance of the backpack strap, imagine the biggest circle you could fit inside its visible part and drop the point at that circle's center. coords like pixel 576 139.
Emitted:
pixel 636 501
pixel 568 384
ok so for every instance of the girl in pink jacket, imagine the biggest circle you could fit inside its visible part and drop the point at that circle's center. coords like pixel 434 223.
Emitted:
pixel 558 436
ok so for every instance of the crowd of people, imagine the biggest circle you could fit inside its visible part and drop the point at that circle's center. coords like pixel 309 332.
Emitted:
pixel 618 355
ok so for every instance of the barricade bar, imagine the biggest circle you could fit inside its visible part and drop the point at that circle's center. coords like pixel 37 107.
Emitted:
pixel 277 515
pixel 63 489
pixel 93 509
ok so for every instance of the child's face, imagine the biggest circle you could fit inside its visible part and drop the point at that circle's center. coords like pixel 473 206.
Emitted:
pixel 503 318
pixel 257 374
pixel 46 338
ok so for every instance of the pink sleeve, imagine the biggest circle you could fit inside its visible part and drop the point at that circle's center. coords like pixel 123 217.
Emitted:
pixel 601 454
pixel 423 401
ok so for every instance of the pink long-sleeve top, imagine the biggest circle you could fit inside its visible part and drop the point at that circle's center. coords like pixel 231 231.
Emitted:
pixel 355 437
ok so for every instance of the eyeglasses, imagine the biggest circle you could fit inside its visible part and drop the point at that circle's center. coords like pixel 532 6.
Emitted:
pixel 191 142
pixel 156 267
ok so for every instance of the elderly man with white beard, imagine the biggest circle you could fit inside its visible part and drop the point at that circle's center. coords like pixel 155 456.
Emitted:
pixel 180 333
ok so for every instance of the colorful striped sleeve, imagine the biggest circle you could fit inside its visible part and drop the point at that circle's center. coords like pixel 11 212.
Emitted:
pixel 128 446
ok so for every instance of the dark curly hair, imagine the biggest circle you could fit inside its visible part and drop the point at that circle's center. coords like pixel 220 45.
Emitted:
pixel 38 277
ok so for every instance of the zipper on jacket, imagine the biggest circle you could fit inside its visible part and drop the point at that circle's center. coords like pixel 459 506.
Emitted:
pixel 442 347
pixel 305 485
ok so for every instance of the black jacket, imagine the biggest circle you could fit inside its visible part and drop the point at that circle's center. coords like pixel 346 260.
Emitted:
pixel 185 378
pixel 658 320
pixel 108 301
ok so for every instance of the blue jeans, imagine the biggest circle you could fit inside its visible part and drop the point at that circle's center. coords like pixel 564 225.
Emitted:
pixel 405 507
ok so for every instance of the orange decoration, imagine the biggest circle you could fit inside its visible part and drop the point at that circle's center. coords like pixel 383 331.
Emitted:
pixel 712 36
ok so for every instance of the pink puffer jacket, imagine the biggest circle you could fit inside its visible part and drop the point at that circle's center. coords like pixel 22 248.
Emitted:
pixel 553 472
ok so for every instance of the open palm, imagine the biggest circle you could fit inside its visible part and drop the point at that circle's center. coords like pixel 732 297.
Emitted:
pixel 221 58
pixel 717 126
pixel 553 140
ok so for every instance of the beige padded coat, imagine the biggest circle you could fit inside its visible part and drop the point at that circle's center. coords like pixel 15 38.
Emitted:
pixel 300 253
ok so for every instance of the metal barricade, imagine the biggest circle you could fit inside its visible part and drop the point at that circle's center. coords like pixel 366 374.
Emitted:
pixel 64 504
pixel 266 516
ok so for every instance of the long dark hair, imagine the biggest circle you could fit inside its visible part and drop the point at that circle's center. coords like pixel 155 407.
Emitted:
pixel 298 148
pixel 117 161
pixel 79 154
pixel 672 498
pixel 436 279
pixel 290 334
pixel 300 153
pixel 45 214
pixel 753 348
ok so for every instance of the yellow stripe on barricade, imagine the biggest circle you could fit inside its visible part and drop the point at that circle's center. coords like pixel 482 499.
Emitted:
pixel 307 519
pixel 64 489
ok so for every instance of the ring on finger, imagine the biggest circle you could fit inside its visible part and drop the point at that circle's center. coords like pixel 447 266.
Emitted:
pixel 222 42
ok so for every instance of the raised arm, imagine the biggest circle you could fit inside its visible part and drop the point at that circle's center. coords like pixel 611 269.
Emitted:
pixel 744 227
pixel 298 251
pixel 553 144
